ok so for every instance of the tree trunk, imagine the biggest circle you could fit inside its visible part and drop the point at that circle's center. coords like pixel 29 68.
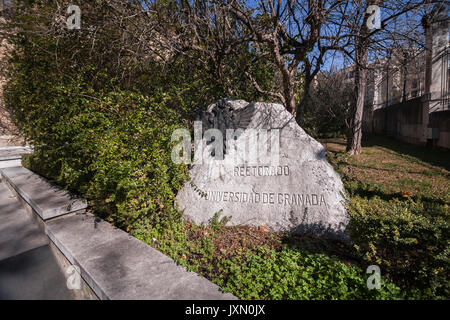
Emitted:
pixel 301 109
pixel 286 76
pixel 305 101
pixel 362 48
pixel 355 132
pixel 290 100
pixel 288 91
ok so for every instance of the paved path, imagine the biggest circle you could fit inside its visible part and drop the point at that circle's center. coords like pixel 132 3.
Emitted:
pixel 28 269
pixel 13 153
pixel 12 156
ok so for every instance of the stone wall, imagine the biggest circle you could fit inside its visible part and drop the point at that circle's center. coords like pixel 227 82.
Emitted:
pixel 3 50
pixel 8 132
pixel 441 121
pixel 404 121
pixel 5 123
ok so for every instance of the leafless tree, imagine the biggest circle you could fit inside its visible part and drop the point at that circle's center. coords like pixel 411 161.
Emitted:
pixel 367 45
pixel 296 35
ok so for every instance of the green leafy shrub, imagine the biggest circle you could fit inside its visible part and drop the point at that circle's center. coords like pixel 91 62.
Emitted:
pixel 117 155
pixel 101 119
pixel 295 274
pixel 261 273
pixel 408 239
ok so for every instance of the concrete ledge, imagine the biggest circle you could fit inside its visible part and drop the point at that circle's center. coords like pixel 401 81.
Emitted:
pixel 47 200
pixel 10 163
pixel 84 292
pixel 118 266
pixel 18 233
pixel 12 156
pixel 112 263
pixel 13 153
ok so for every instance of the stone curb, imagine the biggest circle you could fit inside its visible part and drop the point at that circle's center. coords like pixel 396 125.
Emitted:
pixel 112 264
pixel 46 199
pixel 11 156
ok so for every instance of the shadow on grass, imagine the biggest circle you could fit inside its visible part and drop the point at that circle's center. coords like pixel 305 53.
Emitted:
pixel 344 250
pixel 436 157
pixel 364 191
pixel 315 244
pixel 410 153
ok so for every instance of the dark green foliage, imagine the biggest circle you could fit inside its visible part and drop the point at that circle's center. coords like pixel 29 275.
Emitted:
pixel 261 273
pixel 115 150
pixel 110 144
pixel 295 274
pixel 217 222
pixel 100 120
pixel 409 239
pixel 326 110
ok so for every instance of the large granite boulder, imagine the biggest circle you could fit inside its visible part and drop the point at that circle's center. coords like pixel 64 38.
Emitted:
pixel 271 173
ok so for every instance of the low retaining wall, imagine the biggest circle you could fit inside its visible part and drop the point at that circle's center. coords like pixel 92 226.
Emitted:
pixel 441 121
pixel 112 264
pixel 404 122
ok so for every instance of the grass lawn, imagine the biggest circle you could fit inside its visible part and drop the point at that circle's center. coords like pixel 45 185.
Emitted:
pixel 399 204
pixel 394 168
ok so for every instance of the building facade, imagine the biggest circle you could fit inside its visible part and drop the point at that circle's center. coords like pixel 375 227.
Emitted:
pixel 407 95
